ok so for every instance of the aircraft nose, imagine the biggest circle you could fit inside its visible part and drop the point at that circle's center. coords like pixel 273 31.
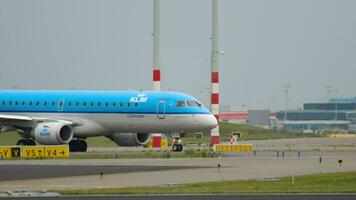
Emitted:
pixel 211 121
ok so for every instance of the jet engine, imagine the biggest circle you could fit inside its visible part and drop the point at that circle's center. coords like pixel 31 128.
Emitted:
pixel 130 139
pixel 53 133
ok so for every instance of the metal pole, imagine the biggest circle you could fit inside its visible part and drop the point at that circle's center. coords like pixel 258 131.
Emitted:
pixel 335 110
pixel 286 105
pixel 335 104
pixel 328 92
pixel 156 47
pixel 214 139
pixel 286 90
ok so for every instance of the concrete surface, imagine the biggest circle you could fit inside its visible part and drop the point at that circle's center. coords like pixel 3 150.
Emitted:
pixel 302 144
pixel 240 166
pixel 233 168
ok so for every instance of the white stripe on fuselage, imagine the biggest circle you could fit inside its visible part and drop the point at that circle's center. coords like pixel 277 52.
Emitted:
pixel 95 124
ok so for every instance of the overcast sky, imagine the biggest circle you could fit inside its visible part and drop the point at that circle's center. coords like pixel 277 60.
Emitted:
pixel 107 45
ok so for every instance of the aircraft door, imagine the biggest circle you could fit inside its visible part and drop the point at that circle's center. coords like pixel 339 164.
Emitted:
pixel 161 109
pixel 60 105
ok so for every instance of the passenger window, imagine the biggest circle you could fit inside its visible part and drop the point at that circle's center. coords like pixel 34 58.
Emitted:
pixel 121 104
pixel 30 104
pixel 23 103
pixel 16 103
pixel 77 103
pixel 70 103
pixel 3 103
pixel 53 103
pixel 181 104
pixel 10 103
pixel 113 104
pixel 91 103
pixel 106 104
pixel 136 104
pixel 99 104
pixel 128 104
pixel 45 103
pixel 60 103
pixel 37 103
pixel 84 103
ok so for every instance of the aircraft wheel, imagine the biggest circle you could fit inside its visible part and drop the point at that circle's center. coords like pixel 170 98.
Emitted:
pixel 73 146
pixel 180 147
pixel 175 147
pixel 31 142
pixel 82 144
pixel 24 142
pixel 21 142
pixel 78 146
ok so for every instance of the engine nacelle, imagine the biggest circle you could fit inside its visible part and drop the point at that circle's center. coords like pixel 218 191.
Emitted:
pixel 53 133
pixel 130 139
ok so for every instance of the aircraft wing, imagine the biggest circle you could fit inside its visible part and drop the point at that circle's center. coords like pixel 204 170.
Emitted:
pixel 16 119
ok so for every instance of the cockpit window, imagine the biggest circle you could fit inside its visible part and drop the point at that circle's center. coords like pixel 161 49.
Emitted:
pixel 181 104
pixel 192 104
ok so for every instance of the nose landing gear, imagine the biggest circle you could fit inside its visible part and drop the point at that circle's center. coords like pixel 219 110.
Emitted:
pixel 177 144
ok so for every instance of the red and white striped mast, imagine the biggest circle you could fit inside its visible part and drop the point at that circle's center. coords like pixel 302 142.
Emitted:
pixel 214 137
pixel 156 47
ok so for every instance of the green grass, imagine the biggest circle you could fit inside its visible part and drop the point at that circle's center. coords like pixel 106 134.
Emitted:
pixel 100 142
pixel 248 132
pixel 9 138
pixel 321 183
pixel 205 153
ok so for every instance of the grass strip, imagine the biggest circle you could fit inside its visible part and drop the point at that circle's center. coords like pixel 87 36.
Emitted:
pixel 321 183
pixel 205 153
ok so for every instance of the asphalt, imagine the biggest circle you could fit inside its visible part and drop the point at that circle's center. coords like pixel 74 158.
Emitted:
pixel 74 174
pixel 199 170
pixel 21 172
pixel 208 197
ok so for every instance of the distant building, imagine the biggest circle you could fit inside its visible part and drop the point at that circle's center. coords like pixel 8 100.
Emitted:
pixel 255 117
pixel 343 100
pixel 313 126
pixel 234 117
pixel 259 117
pixel 338 114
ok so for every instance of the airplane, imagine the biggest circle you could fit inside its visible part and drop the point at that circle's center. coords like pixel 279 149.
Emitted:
pixel 125 117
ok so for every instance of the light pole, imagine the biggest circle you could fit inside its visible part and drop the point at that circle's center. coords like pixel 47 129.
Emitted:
pixel 286 90
pixel 271 102
pixel 328 92
pixel 335 104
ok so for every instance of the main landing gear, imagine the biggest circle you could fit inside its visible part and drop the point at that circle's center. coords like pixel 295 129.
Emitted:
pixel 78 145
pixel 26 142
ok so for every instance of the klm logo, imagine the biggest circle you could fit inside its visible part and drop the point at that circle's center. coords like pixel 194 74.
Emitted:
pixel 45 133
pixel 141 98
